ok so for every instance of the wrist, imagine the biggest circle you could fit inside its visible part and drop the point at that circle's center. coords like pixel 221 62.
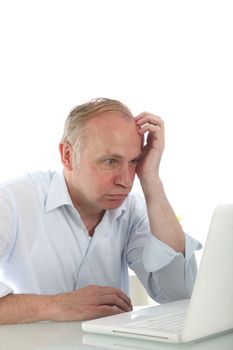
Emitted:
pixel 152 187
pixel 46 307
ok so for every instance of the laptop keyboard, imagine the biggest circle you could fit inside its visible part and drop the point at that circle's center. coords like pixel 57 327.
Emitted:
pixel 172 322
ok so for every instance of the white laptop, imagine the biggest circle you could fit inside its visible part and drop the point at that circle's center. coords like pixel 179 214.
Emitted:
pixel 208 312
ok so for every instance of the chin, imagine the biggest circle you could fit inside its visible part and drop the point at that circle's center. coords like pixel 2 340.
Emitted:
pixel 114 204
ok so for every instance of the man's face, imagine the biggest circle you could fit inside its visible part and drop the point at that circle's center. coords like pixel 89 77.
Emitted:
pixel 104 175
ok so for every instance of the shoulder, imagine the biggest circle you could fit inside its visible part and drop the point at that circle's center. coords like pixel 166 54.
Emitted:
pixel 21 187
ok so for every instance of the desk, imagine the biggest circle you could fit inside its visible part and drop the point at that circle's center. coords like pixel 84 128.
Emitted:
pixel 69 336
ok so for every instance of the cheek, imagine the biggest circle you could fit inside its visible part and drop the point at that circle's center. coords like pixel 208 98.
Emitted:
pixel 105 180
pixel 99 180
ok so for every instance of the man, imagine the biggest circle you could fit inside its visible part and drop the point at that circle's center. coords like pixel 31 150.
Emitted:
pixel 67 238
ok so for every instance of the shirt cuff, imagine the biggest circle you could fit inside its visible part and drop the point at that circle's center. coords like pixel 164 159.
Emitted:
pixel 4 290
pixel 157 254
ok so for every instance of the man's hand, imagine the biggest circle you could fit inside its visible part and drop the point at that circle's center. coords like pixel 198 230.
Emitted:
pixel 148 166
pixel 90 302
pixel 82 304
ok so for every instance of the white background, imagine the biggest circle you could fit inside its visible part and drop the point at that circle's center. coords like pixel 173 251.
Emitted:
pixel 173 58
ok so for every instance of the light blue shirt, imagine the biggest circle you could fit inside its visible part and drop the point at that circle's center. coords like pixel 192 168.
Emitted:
pixel 46 249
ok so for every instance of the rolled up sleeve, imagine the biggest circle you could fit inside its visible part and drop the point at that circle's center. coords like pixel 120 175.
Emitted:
pixel 173 273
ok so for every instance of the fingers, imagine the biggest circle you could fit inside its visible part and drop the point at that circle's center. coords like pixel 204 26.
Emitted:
pixel 147 115
pixel 151 128
pixel 154 126
pixel 107 301
pixel 122 296
pixel 148 122
pixel 114 297
pixel 114 300
pixel 125 298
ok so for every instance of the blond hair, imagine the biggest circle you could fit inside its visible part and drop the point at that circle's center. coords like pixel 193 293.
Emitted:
pixel 80 115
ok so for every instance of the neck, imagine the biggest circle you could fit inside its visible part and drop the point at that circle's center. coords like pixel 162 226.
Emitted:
pixel 91 221
pixel 90 215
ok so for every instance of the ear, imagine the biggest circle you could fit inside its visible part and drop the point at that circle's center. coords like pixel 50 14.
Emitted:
pixel 66 153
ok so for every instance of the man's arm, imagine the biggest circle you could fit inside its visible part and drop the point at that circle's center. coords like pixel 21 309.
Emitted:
pixel 163 222
pixel 82 304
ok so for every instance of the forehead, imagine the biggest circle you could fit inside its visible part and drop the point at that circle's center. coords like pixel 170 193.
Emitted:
pixel 112 132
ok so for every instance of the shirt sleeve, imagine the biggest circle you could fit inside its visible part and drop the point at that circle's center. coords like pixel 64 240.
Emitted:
pixel 165 254
pixel 173 273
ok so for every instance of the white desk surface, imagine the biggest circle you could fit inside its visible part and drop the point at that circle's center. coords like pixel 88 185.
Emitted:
pixel 69 336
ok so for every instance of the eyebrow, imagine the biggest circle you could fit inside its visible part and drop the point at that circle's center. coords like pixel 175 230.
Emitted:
pixel 118 156
pixel 139 156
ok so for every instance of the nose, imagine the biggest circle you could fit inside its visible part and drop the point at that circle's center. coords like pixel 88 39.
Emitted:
pixel 125 176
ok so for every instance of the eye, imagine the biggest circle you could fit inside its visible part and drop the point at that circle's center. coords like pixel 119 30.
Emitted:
pixel 110 162
pixel 135 162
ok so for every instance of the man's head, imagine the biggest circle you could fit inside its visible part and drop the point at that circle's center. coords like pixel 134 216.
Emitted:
pixel 100 149
pixel 79 116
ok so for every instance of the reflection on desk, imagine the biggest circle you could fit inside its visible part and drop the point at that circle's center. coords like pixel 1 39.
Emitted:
pixel 42 335
pixel 69 336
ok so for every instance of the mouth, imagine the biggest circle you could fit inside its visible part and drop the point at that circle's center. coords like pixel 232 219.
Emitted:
pixel 117 197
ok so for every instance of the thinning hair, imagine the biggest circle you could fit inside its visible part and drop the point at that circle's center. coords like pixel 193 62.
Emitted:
pixel 80 115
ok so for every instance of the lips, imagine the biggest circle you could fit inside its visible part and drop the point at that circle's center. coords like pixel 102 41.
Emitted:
pixel 117 196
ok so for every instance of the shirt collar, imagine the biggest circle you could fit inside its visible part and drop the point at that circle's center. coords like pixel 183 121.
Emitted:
pixel 58 196
pixel 115 213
